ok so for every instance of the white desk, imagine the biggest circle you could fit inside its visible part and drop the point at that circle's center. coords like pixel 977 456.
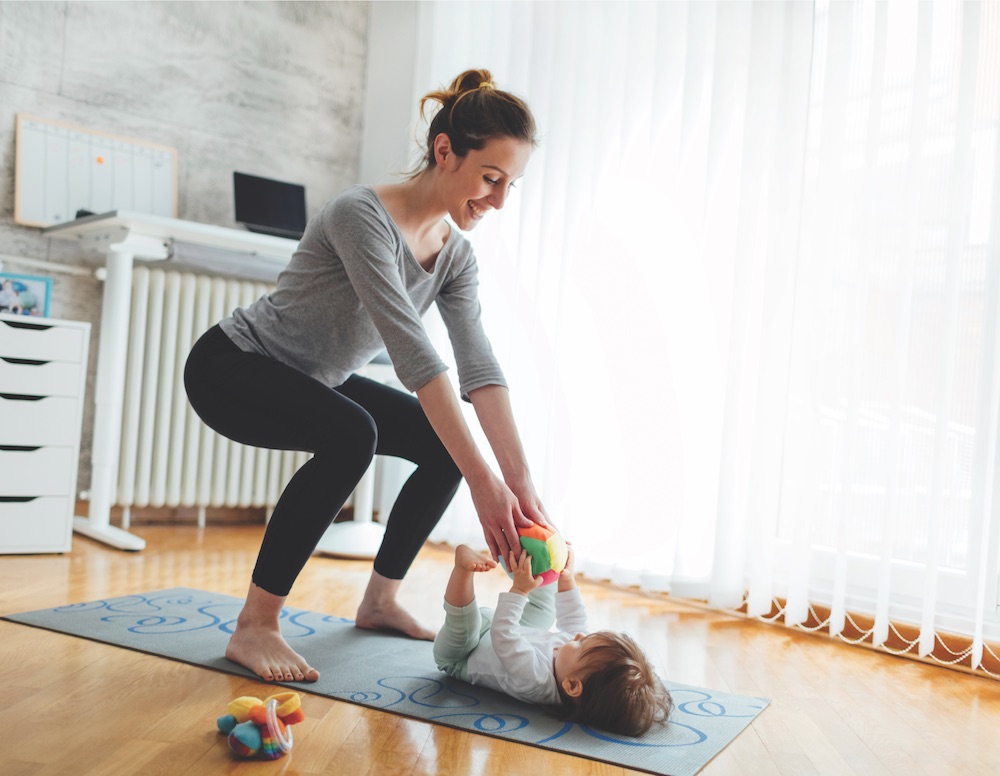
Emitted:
pixel 123 237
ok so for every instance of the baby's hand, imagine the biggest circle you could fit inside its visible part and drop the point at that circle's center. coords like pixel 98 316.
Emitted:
pixel 524 582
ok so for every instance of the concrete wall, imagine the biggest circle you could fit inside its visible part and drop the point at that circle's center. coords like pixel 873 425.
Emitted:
pixel 270 88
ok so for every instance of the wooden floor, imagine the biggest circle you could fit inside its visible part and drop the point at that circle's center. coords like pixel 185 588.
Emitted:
pixel 71 706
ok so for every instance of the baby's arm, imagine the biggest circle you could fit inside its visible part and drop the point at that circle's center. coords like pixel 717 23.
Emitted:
pixel 571 615
pixel 528 670
pixel 567 580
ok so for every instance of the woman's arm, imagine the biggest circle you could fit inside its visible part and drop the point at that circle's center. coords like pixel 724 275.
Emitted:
pixel 497 506
pixel 492 403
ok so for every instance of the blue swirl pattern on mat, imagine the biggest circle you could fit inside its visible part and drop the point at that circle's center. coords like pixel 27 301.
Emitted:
pixel 142 611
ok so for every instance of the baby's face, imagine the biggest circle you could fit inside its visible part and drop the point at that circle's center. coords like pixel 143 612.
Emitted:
pixel 568 658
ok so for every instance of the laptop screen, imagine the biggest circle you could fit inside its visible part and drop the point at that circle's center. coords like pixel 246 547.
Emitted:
pixel 269 206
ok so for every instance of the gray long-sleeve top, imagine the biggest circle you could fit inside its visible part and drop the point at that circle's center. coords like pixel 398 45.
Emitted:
pixel 353 288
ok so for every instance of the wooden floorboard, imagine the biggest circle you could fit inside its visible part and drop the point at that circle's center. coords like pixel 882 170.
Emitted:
pixel 72 706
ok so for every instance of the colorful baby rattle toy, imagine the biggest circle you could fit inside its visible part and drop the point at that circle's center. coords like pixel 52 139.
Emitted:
pixel 257 727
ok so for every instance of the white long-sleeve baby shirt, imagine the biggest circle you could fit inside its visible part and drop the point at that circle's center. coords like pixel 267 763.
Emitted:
pixel 518 660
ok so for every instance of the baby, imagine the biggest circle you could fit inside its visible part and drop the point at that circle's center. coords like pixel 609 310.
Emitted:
pixel 601 679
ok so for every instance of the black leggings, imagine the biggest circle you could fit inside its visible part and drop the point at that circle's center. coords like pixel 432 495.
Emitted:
pixel 255 400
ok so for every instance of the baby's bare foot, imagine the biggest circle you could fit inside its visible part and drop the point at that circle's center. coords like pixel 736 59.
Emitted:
pixel 468 559
pixel 264 651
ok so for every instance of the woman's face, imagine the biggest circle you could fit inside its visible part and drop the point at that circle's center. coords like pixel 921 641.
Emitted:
pixel 481 180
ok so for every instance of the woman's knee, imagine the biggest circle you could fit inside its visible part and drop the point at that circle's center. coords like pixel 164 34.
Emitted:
pixel 352 433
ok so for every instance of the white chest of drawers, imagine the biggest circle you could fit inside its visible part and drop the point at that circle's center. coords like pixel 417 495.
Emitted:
pixel 43 373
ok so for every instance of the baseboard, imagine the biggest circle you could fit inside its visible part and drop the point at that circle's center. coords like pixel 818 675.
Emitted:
pixel 950 650
pixel 189 515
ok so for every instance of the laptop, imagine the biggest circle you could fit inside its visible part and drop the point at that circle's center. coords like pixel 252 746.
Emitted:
pixel 269 206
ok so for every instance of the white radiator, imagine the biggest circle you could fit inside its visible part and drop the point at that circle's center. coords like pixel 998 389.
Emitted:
pixel 169 458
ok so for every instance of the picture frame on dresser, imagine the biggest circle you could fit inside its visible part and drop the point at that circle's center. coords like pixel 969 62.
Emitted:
pixel 28 295
pixel 43 371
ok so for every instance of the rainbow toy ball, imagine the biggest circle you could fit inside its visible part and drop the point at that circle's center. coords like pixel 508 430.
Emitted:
pixel 257 728
pixel 547 549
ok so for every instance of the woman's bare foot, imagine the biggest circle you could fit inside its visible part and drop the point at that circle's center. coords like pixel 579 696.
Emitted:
pixel 257 644
pixel 392 617
pixel 468 559
pixel 380 611
pixel 268 655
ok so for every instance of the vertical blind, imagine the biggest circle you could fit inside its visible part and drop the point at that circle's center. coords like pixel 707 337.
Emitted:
pixel 746 297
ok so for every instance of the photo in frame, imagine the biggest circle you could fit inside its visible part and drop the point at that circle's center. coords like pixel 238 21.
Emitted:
pixel 25 294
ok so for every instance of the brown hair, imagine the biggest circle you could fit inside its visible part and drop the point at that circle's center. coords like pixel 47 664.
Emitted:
pixel 472 111
pixel 621 692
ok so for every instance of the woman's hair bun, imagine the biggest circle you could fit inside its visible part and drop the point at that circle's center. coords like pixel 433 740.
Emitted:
pixel 472 79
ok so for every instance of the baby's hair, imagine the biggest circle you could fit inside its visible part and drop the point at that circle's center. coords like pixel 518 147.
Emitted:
pixel 621 691
pixel 471 112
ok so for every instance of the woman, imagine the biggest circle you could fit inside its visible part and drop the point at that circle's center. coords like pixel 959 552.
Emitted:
pixel 279 374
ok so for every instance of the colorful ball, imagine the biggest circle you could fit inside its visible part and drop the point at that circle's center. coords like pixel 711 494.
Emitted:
pixel 547 549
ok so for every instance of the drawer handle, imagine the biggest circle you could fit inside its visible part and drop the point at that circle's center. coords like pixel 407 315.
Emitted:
pixel 19 448
pixel 16 499
pixel 20 397
pixel 23 325
pixel 23 361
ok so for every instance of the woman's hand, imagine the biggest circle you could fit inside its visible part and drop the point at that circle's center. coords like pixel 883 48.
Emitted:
pixel 501 507
pixel 527 499
pixel 500 515
pixel 498 508
pixel 524 582
pixel 492 403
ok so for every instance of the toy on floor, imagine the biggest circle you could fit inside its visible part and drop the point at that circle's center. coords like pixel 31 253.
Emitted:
pixel 257 727
pixel 547 549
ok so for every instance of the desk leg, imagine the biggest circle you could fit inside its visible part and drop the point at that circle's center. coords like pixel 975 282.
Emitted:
pixel 109 396
pixel 362 536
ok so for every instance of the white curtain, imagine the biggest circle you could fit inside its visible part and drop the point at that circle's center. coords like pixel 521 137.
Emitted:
pixel 746 296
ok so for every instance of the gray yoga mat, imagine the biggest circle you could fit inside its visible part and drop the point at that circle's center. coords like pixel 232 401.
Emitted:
pixel 398 675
